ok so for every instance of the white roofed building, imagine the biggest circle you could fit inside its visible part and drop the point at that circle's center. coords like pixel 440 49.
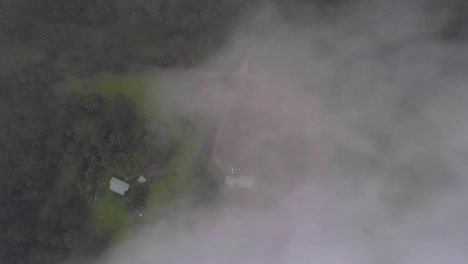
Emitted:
pixel 118 186
pixel 245 182
pixel 239 181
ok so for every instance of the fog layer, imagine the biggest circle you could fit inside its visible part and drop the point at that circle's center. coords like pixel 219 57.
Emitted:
pixel 362 120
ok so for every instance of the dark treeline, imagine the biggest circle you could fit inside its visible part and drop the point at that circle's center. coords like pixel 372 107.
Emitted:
pixel 31 147
pixel 91 30
pixel 109 34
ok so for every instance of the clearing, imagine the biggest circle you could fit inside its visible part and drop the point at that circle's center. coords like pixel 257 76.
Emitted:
pixel 156 97
pixel 109 213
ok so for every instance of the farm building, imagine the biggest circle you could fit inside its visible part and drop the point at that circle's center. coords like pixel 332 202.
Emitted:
pixel 141 179
pixel 118 186
pixel 241 181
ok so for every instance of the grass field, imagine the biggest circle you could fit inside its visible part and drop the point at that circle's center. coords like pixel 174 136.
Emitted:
pixel 134 85
pixel 167 188
pixel 153 94
pixel 109 213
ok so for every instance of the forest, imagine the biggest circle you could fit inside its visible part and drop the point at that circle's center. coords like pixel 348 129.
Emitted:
pixel 67 123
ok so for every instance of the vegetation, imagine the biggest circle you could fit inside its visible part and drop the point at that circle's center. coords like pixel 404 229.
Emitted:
pixel 62 161
pixel 71 117
pixel 14 57
pixel 73 114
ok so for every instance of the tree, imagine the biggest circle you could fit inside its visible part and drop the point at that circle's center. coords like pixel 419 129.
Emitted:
pixel 74 213
pixel 122 113
pixel 17 18
pixel 138 193
pixel 74 104
pixel 82 241
pixel 39 253
pixel 92 103
pixel 100 13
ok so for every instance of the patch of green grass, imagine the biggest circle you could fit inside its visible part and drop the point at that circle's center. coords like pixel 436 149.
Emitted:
pixel 168 187
pixel 14 57
pixel 162 190
pixel 151 94
pixel 110 215
pixel 132 85
pixel 154 52
pixel 188 146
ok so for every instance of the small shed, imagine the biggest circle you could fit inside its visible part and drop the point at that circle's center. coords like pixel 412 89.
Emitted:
pixel 245 182
pixel 241 181
pixel 118 186
pixel 141 179
pixel 230 181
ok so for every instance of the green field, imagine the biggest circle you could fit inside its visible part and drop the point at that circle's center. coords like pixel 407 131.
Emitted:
pixel 134 85
pixel 167 188
pixel 109 213
pixel 153 94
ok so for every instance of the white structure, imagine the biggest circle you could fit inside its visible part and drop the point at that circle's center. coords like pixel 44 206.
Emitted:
pixel 118 186
pixel 245 182
pixel 141 179
pixel 230 181
pixel 242 181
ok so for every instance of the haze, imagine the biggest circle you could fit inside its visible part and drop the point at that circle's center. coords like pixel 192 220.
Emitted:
pixel 362 118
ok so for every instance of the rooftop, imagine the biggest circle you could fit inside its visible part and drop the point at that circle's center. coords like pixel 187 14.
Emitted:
pixel 241 181
pixel 141 179
pixel 118 186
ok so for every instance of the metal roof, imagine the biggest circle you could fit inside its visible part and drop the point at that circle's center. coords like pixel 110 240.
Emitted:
pixel 242 181
pixel 118 186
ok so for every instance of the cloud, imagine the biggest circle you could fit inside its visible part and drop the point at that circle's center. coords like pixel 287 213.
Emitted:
pixel 361 118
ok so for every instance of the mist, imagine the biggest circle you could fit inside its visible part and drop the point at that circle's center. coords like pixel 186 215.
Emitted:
pixel 361 118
